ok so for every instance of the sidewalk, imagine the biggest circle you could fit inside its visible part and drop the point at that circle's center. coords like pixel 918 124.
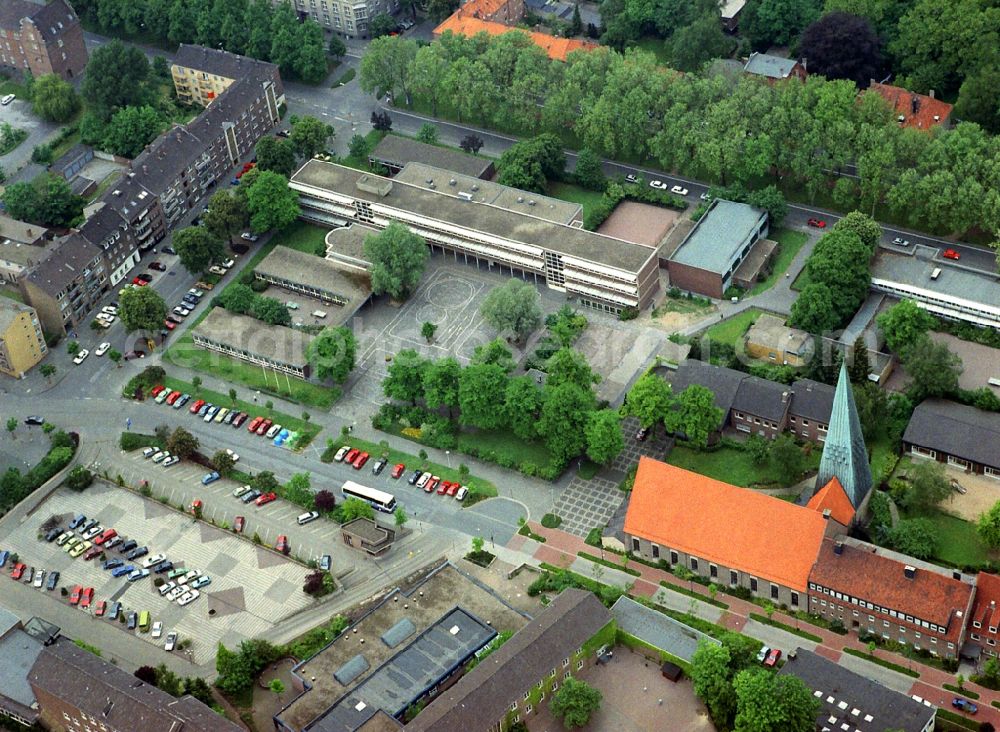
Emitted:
pixel 561 549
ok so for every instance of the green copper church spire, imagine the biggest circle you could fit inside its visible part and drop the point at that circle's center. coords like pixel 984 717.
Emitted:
pixel 844 454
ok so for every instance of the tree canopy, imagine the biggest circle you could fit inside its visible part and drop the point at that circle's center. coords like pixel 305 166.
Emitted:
pixel 310 136
pixel 513 306
pixel 574 702
pixel 46 200
pixel 116 77
pixel 271 203
pixel 227 215
pixel 332 353
pixel 54 99
pixel 649 399
pixel 903 325
pixel 142 308
pixel 843 46
pixel 398 257
pixel 695 414
pixel 197 248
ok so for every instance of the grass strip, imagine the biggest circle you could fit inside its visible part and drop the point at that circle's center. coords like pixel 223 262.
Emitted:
pixel 963 692
pixel 957 721
pixel 883 663
pixel 609 564
pixel 695 595
pixel 526 531
pixel 787 628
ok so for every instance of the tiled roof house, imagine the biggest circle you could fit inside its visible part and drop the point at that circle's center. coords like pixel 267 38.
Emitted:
pixel 984 625
pixel 919 111
pixel 961 436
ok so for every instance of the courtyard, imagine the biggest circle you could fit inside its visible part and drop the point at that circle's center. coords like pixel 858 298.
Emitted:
pixel 640 223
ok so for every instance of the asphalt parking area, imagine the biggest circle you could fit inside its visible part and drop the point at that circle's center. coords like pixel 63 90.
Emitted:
pixel 252 588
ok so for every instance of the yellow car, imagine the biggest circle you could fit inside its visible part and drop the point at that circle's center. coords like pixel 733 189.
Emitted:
pixel 80 549
pixel 71 543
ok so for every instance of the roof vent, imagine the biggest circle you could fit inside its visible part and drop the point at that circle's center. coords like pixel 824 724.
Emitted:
pixel 937 117
pixel 116 192
pixel 475 186
pixel 827 513
pixel 531 203
pixel 431 185
pixel 838 548
pixel 454 630
pixel 957 576
pixel 465 195
pixel 520 199
pixel 429 180
pixel 453 182
pixel 909 571
pixel 901 119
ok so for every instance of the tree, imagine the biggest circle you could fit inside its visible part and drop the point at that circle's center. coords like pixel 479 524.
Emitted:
pixel 649 399
pixel 131 129
pixel 354 508
pixel 977 99
pixel 182 443
pixel 73 348
pixel 48 371
pixel 695 415
pixel 588 172
pixel 769 23
pixel 265 482
pixel 604 436
pixel 495 352
pixel 277 687
pixel 54 99
pixel 427 133
pixel 904 324
pixel 813 310
pixel 382 25
pixel 398 257
pixel 567 366
pixel 698 42
pixel 441 383
pixel 529 164
pixel 337 48
pixel 865 227
pixel 310 136
pixel 574 702
pixel 989 526
pixel 438 10
pixel 276 155
pixel 565 412
pixel 758 448
pixel 271 311
pixel 47 200
pixel 787 460
pixel 115 78
pixel 405 376
pixel 142 308
pixel 381 121
pixel 399 517
pixel 223 462
pixel 710 677
pixel 522 404
pixel 297 490
pixel 914 537
pixel 197 249
pixel 359 147
pixel 873 408
pixel 513 306
pixel 79 478
pixel 928 486
pixel 385 67
pixel 427 330
pixel 843 46
pixel 324 501
pixel 227 215
pixel 147 674
pixel 271 203
pixel 481 390
pixel 767 702
pixel 332 353
pixel 472 144
pixel 934 369
pixel 860 367
pixel 11 425
pixel 576 22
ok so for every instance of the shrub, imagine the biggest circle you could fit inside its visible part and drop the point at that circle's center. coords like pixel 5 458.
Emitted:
pixel 551 521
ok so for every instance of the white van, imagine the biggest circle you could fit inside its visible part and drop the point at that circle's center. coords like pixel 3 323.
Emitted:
pixel 305 518
pixel 318 314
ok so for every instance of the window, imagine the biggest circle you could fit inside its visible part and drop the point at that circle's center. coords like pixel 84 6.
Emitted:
pixel 656 551
pixel 774 592
pixel 635 544
pixel 694 564
pixel 555 686
pixel 566 662
pixel 713 571
pixel 795 599
pixel 527 709
pixel 566 675
pixel 579 665
pixel 734 578
pixel 526 696
pixel 753 585
pixel 513 706
pixel 553 674
pixel 673 557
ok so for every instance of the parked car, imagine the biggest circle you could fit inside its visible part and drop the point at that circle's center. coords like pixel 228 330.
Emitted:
pixel 251 495
pixel 200 582
pixel 160 456
pixel 238 523
pixel 209 478
pixel 4 556
pixel 272 431
pixel 453 490
pixel 264 427
pixel 92 532
pixel 52 534
pixel 817 223
pixel 360 460
pixel 158 266
pixel 154 559
pixel 379 466
pixel 171 641
pixel 254 424
pixel 39 578
pixel 196 407
pixel 239 419
pixel 105 536
pixel 123 570
pixel 132 621
pixel 188 597
pixel 91 553
pixel 74 595
pixel 172 460
pixel 773 657
pixel 112 563
pixel 163 567
pixel 81 356
pixel 266 498
pixel 182 401
pixel 53 581
pixel 86 597
pixel 157 629
pixel 658 185
pixel 947 254
pixel 76 522
pixel 632 178
pixel 307 517
pixel 281 544
pixel 762 653
pixel 431 484
pixel 964 704
pixel 679 190
pixel 116 610
pixel 140 551
pixel 29 575
pixel 414 477
pixel 397 470
pixel 167 587
pixel 80 549
pixel 325 562
pixel 342 453
pixel 138 574
pixel 901 242
pixel 443 488
pixel 35 420
pixel 240 490
pixel 188 576
pixel 18 570
pixel 102 349
pixel 128 546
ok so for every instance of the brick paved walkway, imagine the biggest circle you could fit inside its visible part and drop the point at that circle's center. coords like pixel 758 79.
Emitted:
pixel 929 685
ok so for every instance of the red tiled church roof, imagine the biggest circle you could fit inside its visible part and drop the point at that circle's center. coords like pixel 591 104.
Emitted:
pixel 833 496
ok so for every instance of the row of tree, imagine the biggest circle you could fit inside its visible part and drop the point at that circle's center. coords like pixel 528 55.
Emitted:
pixel 255 28
pixel 47 201
pixel 722 128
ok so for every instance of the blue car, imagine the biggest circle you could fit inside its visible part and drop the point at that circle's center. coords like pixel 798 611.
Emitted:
pixel 164 567
pixel 204 409
pixel 80 518
pixel 210 478
pixel 4 556
pixel 122 571
pixel 280 439
pixel 113 563
pixel 964 704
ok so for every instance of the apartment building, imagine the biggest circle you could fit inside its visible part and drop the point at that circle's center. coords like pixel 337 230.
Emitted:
pixel 21 247
pixel 875 594
pixel 64 287
pixel 22 344
pixel 596 270
pixel 201 74
pixel 108 230
pixel 958 435
pixel 273 347
pixel 984 625
pixel 349 18
pixel 41 38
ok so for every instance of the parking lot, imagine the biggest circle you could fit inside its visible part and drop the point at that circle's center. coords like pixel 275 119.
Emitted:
pixel 18 114
pixel 252 588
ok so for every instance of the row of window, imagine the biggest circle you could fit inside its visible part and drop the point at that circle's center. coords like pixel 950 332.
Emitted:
pixel 877 608
pixel 921 296
pixel 247 356
pixel 757 420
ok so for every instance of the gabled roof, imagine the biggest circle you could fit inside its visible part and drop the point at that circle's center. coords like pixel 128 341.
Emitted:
pixel 735 527
pixel 832 497
pixel 916 110
pixel 65 264
pixel 722 381
pixel 556 48
pixel 956 429
pixel 19 231
pixel 763 398
pixel 986 608
pixel 845 455
pixel 51 19
pixel 221 63
pixel 812 400
pixel 773 67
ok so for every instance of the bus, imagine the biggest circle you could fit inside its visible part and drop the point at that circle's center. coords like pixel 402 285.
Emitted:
pixel 379 500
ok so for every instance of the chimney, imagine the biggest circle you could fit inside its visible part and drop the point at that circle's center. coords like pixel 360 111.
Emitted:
pixel 838 548
pixel 914 104
pixel 784 397
pixel 826 515
pixel 909 571
pixel 930 93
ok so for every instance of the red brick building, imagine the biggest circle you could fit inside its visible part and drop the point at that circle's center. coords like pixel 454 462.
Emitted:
pixel 41 38
pixel 985 620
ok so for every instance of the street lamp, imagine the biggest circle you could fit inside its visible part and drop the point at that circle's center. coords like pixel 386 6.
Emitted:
pixel 447 454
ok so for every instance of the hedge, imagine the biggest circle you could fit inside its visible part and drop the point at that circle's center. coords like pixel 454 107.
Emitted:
pixel 787 628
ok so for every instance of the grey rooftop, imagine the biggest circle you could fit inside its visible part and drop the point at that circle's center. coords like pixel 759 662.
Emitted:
pixel 714 241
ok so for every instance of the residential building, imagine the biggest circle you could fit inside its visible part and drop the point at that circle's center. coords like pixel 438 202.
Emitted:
pixel 774 68
pixel 65 286
pixel 22 246
pixel 699 523
pixel 349 19
pixel 464 23
pixel 79 691
pixel 730 11
pixel 955 293
pixel 108 230
pixel 508 12
pixel 769 339
pixel 316 277
pixel 368 536
pixel 143 214
pixel 984 628
pixel 247 339
pixel 13 231
pixel 809 413
pixel 202 74
pixel 919 111
pixel 561 641
pixel 22 344
pixel 850 701
pixel 960 436
pixel 19 650
pixel 596 270
pixel 416 643
pixel 727 246
pixel 878 595
pixel 395 151
pixel 41 38
pixel 760 407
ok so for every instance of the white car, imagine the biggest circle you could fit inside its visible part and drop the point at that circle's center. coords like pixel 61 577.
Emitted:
pixel 900 242
pixel 422 480
pixel 176 592
pixel 240 490
pixel 233 455
pixel 658 185
pixel 182 311
pixel 706 196
pixel 275 429
pixel 161 456
pixel 81 356
pixel 462 493
pixel 191 574
pixel 138 574
pixel 217 270
pixel 247 236
pixel 172 460
pixel 679 190
pixel 155 559
pixel 102 349
pixel 39 577
pixel 109 310
pixel 162 396
pixel 339 457
pixel 227 263
pixel 631 178
pixel 188 597
pixel 157 629
pixel 149 452
pixel 103 323
pixel 171 641
pixel 167 587
pixel 8 99
pixel 105 318
pixel 94 531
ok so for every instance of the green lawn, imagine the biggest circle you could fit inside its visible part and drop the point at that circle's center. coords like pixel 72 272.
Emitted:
pixel 292 423
pixel 11 293
pixel 301 236
pixel 730 465
pixel 789 244
pixel 503 441
pixel 575 194
pixel 682 305
pixel 732 330
pixel 800 282
pixel 958 542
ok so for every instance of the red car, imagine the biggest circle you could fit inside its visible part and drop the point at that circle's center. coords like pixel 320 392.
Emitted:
pixel 100 608
pixel 238 524
pixel 266 499
pixel 282 544
pixel 817 223
pixel 360 461
pixel 91 553
pixel 264 426
pixel 168 325
pixel 352 455
pixel 773 657
pixel 196 406
pixel 18 570
pixel 74 596
pixel 443 487
pixel 951 254
pixel 254 424
pixel 174 396
pixel 139 283
pixel 397 470
pixel 106 536
pixel 432 484
pixel 155 391
pixel 86 597
pixel 453 489
pixel 239 419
